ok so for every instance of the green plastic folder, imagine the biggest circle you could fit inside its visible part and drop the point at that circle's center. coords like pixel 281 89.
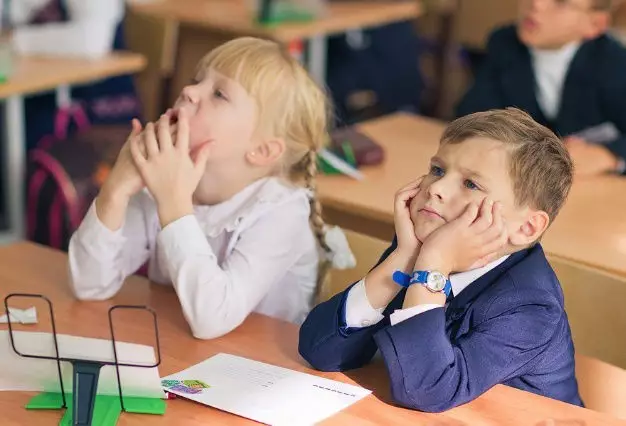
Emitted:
pixel 346 153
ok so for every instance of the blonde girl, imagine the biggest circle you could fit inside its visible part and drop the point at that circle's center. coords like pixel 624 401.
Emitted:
pixel 218 196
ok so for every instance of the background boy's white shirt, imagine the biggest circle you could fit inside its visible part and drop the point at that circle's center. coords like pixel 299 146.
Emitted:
pixel 550 69
pixel 88 33
pixel 360 313
pixel 254 252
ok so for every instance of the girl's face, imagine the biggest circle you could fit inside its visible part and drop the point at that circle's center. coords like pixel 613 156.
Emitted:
pixel 221 113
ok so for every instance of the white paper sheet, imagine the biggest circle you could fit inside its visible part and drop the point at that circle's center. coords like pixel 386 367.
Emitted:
pixel 263 392
pixel 21 316
pixel 28 374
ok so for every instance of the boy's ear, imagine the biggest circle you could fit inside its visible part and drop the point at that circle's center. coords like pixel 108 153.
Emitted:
pixel 266 153
pixel 531 229
pixel 598 24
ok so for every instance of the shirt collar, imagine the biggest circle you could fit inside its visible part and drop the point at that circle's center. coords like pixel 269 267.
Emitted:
pixel 228 215
pixel 461 280
pixel 562 55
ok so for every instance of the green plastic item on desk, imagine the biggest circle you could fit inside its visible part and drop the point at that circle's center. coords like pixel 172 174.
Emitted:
pixel 6 60
pixel 349 153
pixel 346 154
pixel 46 401
pixel 281 13
pixel 107 408
pixel 325 168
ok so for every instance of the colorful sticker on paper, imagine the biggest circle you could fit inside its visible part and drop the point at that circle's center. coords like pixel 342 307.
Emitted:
pixel 185 389
pixel 169 383
pixel 196 384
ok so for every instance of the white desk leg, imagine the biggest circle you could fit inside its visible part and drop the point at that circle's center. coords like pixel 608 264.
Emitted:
pixel 317 55
pixel 15 164
pixel 63 96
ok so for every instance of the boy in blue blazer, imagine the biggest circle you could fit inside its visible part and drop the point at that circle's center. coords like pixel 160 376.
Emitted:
pixel 464 298
pixel 559 65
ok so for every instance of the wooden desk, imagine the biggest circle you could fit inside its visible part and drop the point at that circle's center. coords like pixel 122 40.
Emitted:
pixel 205 24
pixel 39 74
pixel 259 338
pixel 34 75
pixel 591 227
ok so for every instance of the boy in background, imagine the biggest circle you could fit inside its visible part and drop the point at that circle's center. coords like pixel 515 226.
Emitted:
pixel 559 65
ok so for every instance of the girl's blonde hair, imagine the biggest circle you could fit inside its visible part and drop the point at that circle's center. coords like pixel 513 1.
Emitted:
pixel 290 104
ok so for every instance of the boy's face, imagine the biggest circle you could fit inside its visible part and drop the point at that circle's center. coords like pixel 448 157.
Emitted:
pixel 462 173
pixel 551 24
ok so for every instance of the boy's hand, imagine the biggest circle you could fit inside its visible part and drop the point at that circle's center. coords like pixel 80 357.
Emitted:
pixel 408 244
pixel 379 285
pixel 590 159
pixel 470 241
pixel 167 169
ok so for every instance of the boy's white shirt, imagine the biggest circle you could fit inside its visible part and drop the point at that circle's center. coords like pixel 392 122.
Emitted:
pixel 254 252
pixel 89 32
pixel 550 69
pixel 360 313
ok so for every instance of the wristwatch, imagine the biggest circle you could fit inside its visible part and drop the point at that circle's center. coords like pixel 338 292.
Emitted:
pixel 434 281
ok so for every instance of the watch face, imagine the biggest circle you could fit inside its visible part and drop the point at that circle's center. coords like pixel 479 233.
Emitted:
pixel 436 281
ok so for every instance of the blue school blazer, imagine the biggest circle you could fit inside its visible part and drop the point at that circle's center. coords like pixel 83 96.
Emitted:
pixel 509 326
pixel 594 91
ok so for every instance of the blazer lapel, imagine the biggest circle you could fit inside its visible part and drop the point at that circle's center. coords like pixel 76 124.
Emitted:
pixel 519 83
pixel 577 90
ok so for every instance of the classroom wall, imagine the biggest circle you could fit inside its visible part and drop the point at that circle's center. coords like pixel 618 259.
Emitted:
pixel 477 18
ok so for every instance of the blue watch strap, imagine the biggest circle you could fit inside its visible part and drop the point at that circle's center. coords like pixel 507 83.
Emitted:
pixel 405 280
pixel 401 278
pixel 417 277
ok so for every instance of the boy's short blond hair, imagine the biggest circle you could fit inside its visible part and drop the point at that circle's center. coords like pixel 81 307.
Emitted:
pixel 539 165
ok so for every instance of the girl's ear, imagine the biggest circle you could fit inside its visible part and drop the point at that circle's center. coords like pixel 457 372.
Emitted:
pixel 267 152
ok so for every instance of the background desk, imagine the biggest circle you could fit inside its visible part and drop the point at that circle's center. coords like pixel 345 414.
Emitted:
pixel 259 338
pixel 185 30
pixel 35 75
pixel 591 227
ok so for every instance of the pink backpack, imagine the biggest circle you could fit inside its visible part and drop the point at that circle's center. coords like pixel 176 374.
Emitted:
pixel 65 173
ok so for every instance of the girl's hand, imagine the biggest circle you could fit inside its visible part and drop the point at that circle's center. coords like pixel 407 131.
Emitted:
pixel 124 180
pixel 167 169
